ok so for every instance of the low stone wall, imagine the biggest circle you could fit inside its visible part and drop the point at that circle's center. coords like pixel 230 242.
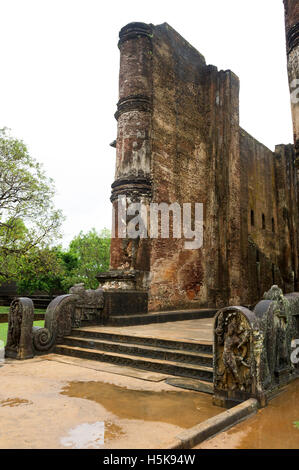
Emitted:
pixel 203 431
pixel 9 291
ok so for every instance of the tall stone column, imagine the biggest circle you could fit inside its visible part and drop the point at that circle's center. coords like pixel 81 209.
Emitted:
pixel 133 154
pixel 292 39
pixel 292 42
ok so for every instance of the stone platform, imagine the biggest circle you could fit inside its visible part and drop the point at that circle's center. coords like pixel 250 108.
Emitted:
pixel 180 348
pixel 191 330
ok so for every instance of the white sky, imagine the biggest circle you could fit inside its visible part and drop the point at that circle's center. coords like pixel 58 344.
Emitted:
pixel 59 81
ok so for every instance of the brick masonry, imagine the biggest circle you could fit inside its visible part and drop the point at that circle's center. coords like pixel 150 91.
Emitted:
pixel 179 140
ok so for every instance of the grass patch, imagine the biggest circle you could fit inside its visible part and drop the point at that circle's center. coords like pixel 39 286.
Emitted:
pixel 4 326
pixel 36 310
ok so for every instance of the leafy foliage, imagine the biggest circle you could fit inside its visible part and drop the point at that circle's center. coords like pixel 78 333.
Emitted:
pixel 40 270
pixel 29 224
pixel 88 255
pixel 54 270
pixel 28 219
pixel 296 424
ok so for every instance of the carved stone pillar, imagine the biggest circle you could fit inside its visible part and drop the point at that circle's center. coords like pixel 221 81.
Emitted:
pixel 292 40
pixel 133 154
pixel 292 43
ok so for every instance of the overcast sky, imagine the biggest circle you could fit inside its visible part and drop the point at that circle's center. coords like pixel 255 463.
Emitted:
pixel 59 81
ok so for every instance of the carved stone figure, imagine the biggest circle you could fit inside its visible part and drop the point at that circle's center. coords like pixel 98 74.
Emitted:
pixel 252 350
pixel 231 357
pixel 20 322
pixel 275 293
pixel 279 337
pixel 233 351
pixel 89 304
pixel 95 298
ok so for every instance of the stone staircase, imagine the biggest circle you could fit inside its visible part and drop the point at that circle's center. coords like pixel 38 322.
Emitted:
pixel 174 357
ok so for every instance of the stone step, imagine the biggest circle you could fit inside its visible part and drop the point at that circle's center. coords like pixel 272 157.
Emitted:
pixel 200 346
pixel 160 317
pixel 155 365
pixel 167 354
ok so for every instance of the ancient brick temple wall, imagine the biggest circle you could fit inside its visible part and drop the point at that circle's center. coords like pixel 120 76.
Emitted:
pixel 179 163
pixel 179 140
pixel 269 216
pixel 195 152
pixel 259 214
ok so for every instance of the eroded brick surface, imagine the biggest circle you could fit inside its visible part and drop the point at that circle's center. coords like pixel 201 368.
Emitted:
pixel 179 140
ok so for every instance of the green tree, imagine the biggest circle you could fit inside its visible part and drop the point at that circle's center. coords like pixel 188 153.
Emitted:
pixel 88 254
pixel 40 270
pixel 29 221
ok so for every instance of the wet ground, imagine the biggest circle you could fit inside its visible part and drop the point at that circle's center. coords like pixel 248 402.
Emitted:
pixel 45 403
pixel 274 427
pixel 164 406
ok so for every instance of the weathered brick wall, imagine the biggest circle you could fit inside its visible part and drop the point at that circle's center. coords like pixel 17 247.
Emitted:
pixel 179 140
pixel 268 192
pixel 195 158
pixel 179 164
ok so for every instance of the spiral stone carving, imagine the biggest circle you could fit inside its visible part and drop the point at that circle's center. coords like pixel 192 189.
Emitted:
pixel 58 323
pixel 66 312
pixel 43 339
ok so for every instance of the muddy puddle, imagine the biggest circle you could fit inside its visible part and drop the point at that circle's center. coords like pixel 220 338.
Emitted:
pixel 183 409
pixel 112 431
pixel 11 402
pixel 274 427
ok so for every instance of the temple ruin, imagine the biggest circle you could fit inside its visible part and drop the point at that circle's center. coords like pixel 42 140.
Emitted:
pixel 179 141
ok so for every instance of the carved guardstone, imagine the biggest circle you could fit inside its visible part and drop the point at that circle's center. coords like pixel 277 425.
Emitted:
pixel 235 378
pixel 252 349
pixel 281 328
pixel 66 312
pixel 19 336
